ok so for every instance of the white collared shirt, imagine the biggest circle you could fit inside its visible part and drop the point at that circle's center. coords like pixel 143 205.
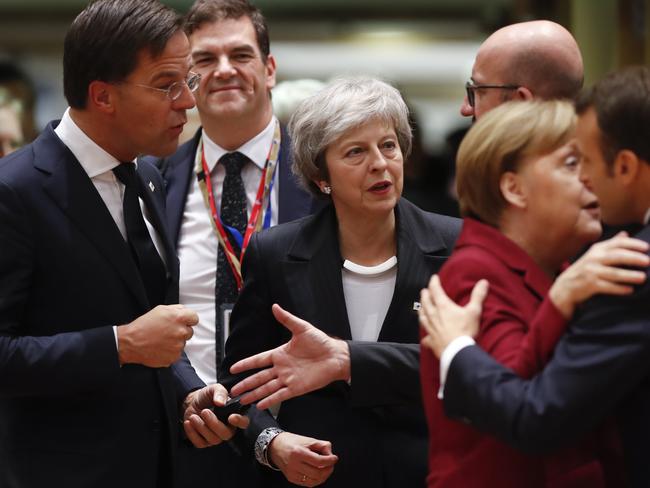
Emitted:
pixel 198 244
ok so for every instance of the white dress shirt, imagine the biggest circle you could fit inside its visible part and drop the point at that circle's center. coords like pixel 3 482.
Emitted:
pixel 198 244
pixel 368 291
pixel 99 164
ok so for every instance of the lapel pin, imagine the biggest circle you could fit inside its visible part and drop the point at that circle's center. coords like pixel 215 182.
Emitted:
pixel 151 186
pixel 417 306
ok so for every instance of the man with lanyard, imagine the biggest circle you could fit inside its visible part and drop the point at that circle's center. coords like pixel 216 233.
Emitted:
pixel 232 179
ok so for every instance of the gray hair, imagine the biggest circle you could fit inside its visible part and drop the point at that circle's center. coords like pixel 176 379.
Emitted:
pixel 344 104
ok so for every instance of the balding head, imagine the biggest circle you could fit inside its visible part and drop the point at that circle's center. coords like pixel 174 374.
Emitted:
pixel 540 57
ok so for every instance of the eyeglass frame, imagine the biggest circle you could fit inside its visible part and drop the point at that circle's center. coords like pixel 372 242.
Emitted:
pixel 193 78
pixel 470 87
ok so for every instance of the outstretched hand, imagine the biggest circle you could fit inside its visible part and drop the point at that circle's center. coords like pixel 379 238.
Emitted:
pixel 443 320
pixel 309 361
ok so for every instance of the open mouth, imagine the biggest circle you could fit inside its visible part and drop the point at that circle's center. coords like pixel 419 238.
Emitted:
pixel 380 186
pixel 593 208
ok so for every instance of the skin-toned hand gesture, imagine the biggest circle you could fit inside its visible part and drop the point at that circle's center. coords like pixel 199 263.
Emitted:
pixel 201 425
pixel 443 320
pixel 303 461
pixel 308 362
pixel 597 272
pixel 157 338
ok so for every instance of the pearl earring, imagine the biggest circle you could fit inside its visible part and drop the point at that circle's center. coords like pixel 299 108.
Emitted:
pixel 326 189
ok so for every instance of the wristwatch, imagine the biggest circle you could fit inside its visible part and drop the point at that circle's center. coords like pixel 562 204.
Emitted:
pixel 262 443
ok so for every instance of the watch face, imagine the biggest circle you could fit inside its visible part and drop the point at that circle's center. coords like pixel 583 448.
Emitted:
pixel 262 443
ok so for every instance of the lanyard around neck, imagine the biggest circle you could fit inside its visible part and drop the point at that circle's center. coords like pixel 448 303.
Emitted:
pixel 260 213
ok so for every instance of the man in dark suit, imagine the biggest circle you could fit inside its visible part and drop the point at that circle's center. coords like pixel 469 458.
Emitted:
pixel 87 397
pixel 230 49
pixel 601 364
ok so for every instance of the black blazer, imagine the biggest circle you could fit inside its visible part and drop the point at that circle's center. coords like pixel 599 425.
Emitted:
pixel 376 426
pixel 601 365
pixel 69 414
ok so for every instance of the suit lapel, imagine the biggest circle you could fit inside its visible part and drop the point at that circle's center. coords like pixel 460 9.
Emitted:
pixel 177 175
pixel 313 274
pixel 155 206
pixel 418 257
pixel 69 186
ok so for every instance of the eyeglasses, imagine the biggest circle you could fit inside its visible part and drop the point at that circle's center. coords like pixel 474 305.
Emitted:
pixel 175 90
pixel 470 88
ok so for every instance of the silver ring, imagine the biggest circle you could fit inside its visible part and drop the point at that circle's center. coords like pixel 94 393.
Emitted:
pixel 304 478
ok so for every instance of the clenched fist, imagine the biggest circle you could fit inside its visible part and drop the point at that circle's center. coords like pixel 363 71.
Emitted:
pixel 157 338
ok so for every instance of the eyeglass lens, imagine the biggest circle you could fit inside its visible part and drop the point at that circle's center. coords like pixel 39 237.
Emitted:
pixel 176 89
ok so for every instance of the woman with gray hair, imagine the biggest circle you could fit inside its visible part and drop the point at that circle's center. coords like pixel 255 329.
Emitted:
pixel 354 271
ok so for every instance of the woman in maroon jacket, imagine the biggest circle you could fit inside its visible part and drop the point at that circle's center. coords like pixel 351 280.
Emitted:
pixel 526 213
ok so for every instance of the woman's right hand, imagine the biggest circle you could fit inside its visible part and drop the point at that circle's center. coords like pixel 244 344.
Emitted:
pixel 303 460
pixel 599 271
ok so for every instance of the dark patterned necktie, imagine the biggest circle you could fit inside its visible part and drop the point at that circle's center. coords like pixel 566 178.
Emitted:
pixel 145 255
pixel 233 214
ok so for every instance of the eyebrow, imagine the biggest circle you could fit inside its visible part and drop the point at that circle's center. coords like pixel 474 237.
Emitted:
pixel 203 52
pixel 163 75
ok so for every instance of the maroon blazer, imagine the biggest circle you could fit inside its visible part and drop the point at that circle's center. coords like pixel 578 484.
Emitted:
pixel 519 327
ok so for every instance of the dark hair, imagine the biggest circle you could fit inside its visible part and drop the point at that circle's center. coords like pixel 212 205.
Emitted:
pixel 214 10
pixel 622 104
pixel 105 40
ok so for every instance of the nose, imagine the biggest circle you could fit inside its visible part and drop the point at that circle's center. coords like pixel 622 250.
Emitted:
pixel 584 179
pixel 466 110
pixel 224 68
pixel 377 160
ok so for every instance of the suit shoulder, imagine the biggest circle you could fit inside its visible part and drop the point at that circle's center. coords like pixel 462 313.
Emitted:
pixel 475 261
pixel 283 233
pixel 447 227
pixel 17 168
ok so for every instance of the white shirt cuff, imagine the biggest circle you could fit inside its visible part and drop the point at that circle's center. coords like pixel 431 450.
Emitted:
pixel 447 357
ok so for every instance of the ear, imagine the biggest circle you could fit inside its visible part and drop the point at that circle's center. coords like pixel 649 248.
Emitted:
pixel 270 71
pixel 523 94
pixel 626 166
pixel 512 189
pixel 321 184
pixel 101 95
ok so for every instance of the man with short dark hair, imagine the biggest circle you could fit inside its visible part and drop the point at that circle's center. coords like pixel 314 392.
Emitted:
pixel 602 364
pixel 87 395
pixel 232 179
pixel 536 59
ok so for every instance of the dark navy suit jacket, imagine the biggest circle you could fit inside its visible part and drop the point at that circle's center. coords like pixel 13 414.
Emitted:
pixel 69 414
pixel 601 365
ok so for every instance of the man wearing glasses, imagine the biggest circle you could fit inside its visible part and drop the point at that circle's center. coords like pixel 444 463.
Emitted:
pixel 87 335
pixel 232 179
pixel 537 59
